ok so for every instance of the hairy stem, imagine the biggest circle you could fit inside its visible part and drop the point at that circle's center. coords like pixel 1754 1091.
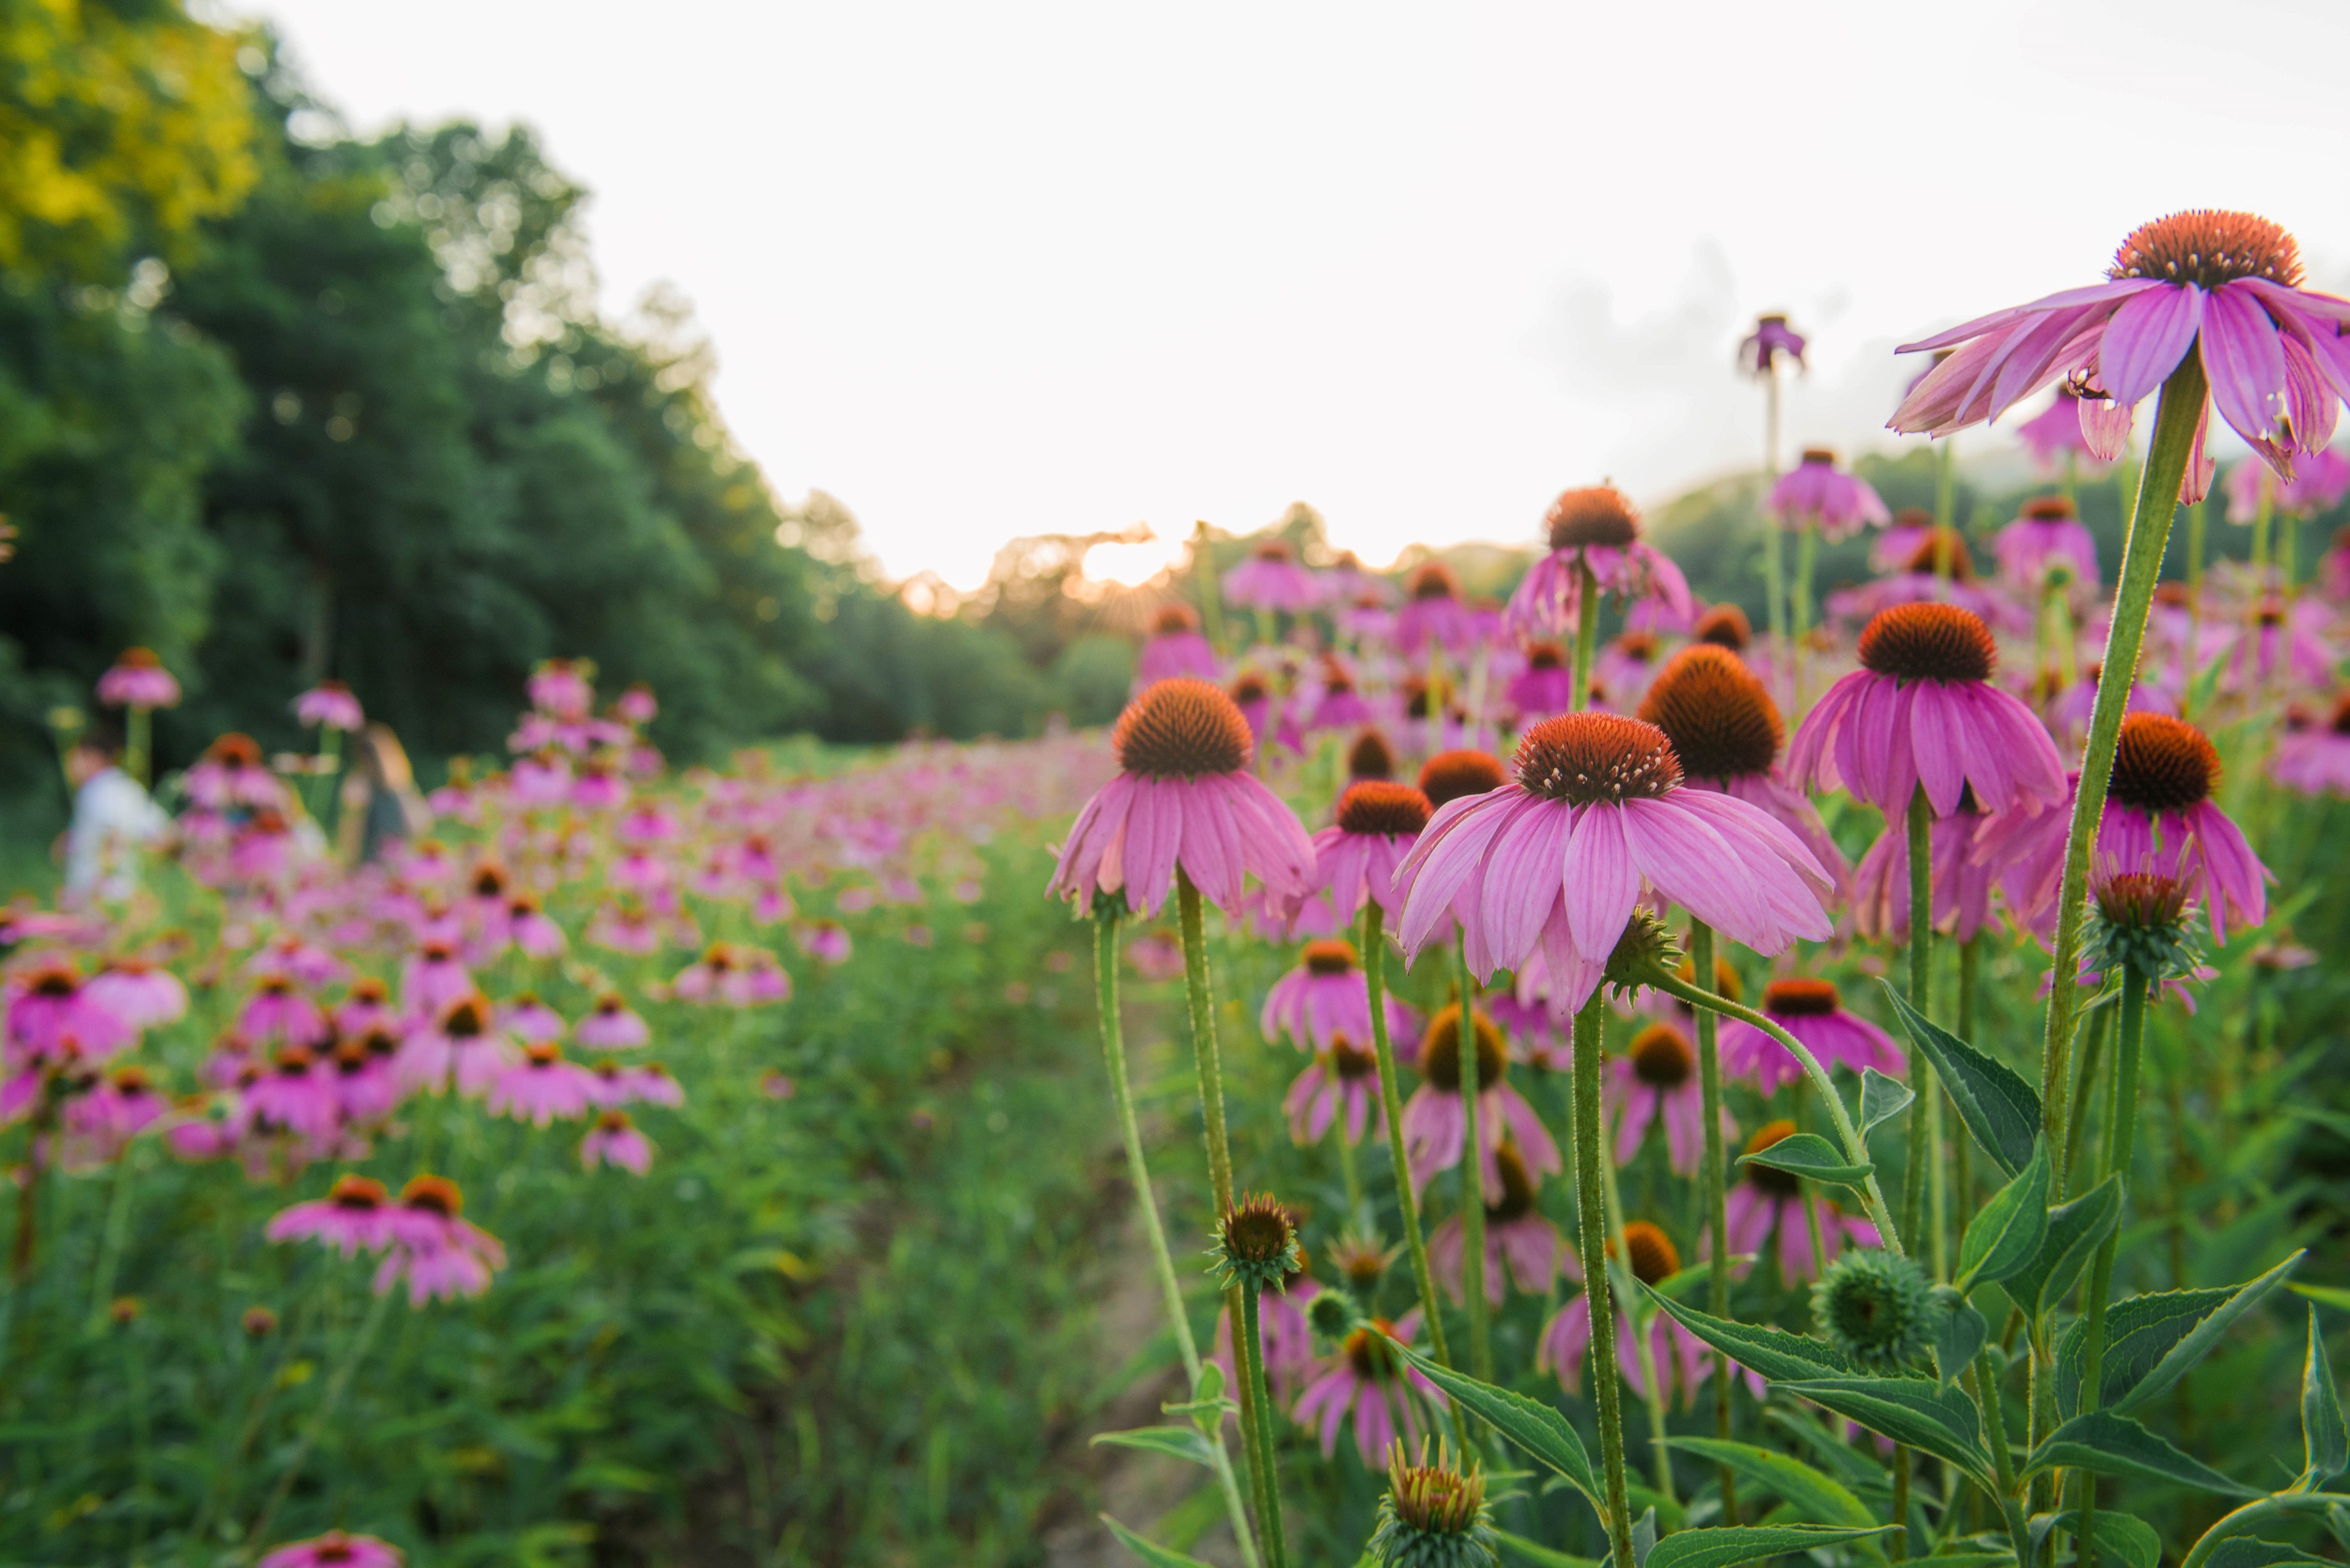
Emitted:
pixel 1472 1175
pixel 1713 1197
pixel 1591 1229
pixel 2120 1138
pixel 1391 1101
pixel 1587 631
pixel 1259 1432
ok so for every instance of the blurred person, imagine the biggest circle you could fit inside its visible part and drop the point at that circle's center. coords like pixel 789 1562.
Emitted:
pixel 381 805
pixel 114 821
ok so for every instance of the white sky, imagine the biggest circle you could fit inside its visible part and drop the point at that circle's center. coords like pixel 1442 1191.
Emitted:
pixel 1000 269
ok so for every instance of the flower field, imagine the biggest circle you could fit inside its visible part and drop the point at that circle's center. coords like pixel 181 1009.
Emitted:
pixel 1442 1081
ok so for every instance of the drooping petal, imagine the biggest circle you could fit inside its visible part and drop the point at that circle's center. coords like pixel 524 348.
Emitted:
pixel 2246 365
pixel 2147 339
pixel 1522 880
pixel 1599 881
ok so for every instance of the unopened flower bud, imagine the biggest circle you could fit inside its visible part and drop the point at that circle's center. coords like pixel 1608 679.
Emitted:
pixel 1257 1243
pixel 1872 1307
pixel 1433 1515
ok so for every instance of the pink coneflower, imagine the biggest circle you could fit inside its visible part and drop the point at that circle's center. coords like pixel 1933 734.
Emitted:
pixel 2293 636
pixel 1812 1012
pixel 2055 433
pixel 636 704
pixel 2313 756
pixel 611 1026
pixel 1340 706
pixel 1175 648
pixel 1184 796
pixel 827 941
pixel 1546 686
pixel 1343 1077
pixel 1922 710
pixel 2222 285
pixel 1933 566
pixel 231 773
pixel 1655 1079
pixel 279 1010
pixel 734 976
pixel 1517 1238
pixel 354 1217
pixel 650 823
pixel 559 686
pixel 363 1006
pixel 1435 1125
pixel 1434 612
pixel 542 779
pixel 296 1095
pixel 529 1020
pixel 1770 341
pixel 1968 855
pixel 433 978
pixel 2047 532
pixel 1596 529
pixel 1328 995
pixel 100 1122
pixel 331 704
pixel 537 935
pixel 1624 667
pixel 1271 579
pixel 306 961
pixel 362 1075
pixel 619 1083
pixel 463 1043
pixel 51 1009
pixel 438 1252
pixel 1366 1378
pixel 1765 1200
pixel 625 926
pixel 1355 858
pixel 1726 732
pixel 138 679
pixel 140 993
pixel 336 1549
pixel 1679 1356
pixel 614 1141
pixel 1816 494
pixel 597 787
pixel 542 1087
pixel 1556 860
pixel 2319 481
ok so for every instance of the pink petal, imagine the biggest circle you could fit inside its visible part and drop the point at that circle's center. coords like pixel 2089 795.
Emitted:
pixel 2147 339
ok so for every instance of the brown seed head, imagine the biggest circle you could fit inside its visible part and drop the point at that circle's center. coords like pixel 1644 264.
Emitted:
pixel 1172 619
pixel 1797 997
pixel 1382 806
pixel 1927 556
pixel 1181 729
pixel 1433 580
pixel 1584 758
pixel 1329 956
pixel 1777 1183
pixel 1596 514
pixel 1651 1252
pixel 1929 642
pixel 1439 1051
pixel 1370 757
pixel 1717 716
pixel 1661 1056
pixel 1448 776
pixel 433 1195
pixel 1725 626
pixel 2162 764
pixel 2206 247
pixel 2049 509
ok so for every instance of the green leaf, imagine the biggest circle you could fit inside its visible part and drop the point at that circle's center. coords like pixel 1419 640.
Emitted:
pixel 1644 1538
pixel 2324 1439
pixel 1150 1551
pixel 2125 1535
pixel 1821 1499
pixel 2151 1341
pixel 2006 1234
pixel 1539 1430
pixel 1958 1332
pixel 1998 1107
pixel 2249 1551
pixel 1810 1156
pixel 1913 1410
pixel 1775 1352
pixel 1728 1545
pixel 2115 1445
pixel 2074 1230
pixel 1177 1442
pixel 2325 1295
pixel 1881 1099
pixel 1542 1556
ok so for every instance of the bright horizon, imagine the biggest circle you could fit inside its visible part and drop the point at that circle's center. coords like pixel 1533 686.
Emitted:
pixel 1059 269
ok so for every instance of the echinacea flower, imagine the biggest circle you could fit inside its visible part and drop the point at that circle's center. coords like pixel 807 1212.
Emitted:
pixel 1815 494
pixel 51 1009
pixel 464 1044
pixel 1968 850
pixel 363 1076
pixel 2055 433
pixel 295 1095
pixel 140 993
pixel 1812 1012
pixel 138 679
pixel 2319 481
pixel 1766 1200
pixel 2313 756
pixel 1340 705
pixel 1183 798
pixel 2047 532
pixel 614 1141
pixel 1367 1380
pixel 100 1121
pixel 1655 1079
pixel 1594 529
pixel 1770 341
pixel 436 1250
pixel 336 1549
pixel 1436 1124
pixel 1271 579
pixel 279 1010
pixel 1546 686
pixel 1434 612
pixel 1328 995
pixel 1174 648
pixel 560 687
pixel 232 773
pixel 1355 858
pixel 354 1217
pixel 735 975
pixel 1679 1355
pixel 636 705
pixel 1343 1077
pixel 1518 1239
pixel 1922 710
pixel 542 1087
pixel 2222 285
pixel 1556 860
pixel 611 1026
pixel 433 978
pixel 1933 566
pixel 331 704
pixel 537 935
pixel 1726 732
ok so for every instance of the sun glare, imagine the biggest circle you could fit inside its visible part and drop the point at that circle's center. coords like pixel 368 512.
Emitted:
pixel 1130 563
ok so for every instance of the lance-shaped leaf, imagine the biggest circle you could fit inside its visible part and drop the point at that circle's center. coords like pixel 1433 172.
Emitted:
pixel 1818 1497
pixel 1998 1107
pixel 2125 1535
pixel 1775 1352
pixel 1539 1430
pixel 2074 1230
pixel 1521 1550
pixel 1176 1442
pixel 1958 1332
pixel 1150 1551
pixel 2325 1440
pixel 1812 1156
pixel 2250 1552
pixel 1644 1538
pixel 1881 1099
pixel 2006 1235
pixel 2152 1341
pixel 1729 1545
pixel 2115 1445
pixel 1913 1410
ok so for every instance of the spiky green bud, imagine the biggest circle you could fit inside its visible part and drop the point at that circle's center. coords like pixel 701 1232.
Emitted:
pixel 1873 1306
pixel 1433 1515
pixel 1257 1243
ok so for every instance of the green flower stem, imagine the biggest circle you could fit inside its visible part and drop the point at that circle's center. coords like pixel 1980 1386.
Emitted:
pixel 1138 1173
pixel 1472 1175
pixel 2177 411
pixel 1712 1197
pixel 2002 1458
pixel 1644 1353
pixel 137 751
pixel 1922 1174
pixel 1209 1060
pixel 1587 631
pixel 1901 1551
pixel 2121 1117
pixel 1350 1175
pixel 1375 954
pixel 1774 566
pixel 1591 1229
pixel 110 1252
pixel 1259 1432
pixel 1945 491
pixel 1880 1213
pixel 2085 1078
pixel 1799 605
pixel 328 768
pixel 337 1387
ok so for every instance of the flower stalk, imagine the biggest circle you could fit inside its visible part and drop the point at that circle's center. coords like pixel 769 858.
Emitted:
pixel 1276 1549
pixel 1591 1233
pixel 1586 632
pixel 1713 1199
pixel 2121 1116
pixel 1391 1102
pixel 1472 1174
